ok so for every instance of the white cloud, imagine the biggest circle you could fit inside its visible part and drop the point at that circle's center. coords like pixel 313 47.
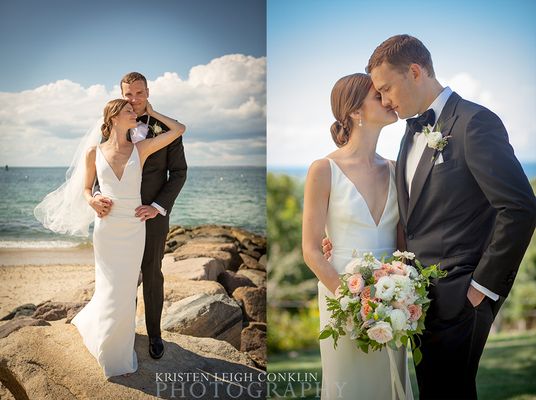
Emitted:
pixel 512 111
pixel 228 152
pixel 222 101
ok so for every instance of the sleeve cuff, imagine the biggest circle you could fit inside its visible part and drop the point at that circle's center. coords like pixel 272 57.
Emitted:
pixel 159 208
pixel 96 193
pixel 487 292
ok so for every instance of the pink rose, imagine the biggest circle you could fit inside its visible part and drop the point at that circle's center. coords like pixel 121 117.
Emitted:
pixel 365 294
pixel 356 283
pixel 398 304
pixel 381 332
pixel 397 268
pixel 365 309
pixel 380 273
pixel 415 312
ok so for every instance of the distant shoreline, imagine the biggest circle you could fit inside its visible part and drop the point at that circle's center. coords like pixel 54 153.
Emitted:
pixel 300 171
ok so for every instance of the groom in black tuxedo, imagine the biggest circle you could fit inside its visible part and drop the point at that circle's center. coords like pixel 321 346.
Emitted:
pixel 468 207
pixel 164 174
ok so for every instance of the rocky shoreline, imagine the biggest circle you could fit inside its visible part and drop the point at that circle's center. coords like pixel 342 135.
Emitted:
pixel 213 322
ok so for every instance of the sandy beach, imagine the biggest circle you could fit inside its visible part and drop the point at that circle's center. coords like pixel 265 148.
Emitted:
pixel 37 275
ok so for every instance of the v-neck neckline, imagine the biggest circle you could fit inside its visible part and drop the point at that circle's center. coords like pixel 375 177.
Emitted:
pixel 363 197
pixel 124 167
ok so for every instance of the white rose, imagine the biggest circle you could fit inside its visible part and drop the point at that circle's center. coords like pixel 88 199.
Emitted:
pixel 157 129
pixel 401 281
pixel 398 319
pixel 398 253
pixel 353 266
pixel 433 139
pixel 411 271
pixel 344 303
pixel 381 332
pixel 385 288
pixel 403 286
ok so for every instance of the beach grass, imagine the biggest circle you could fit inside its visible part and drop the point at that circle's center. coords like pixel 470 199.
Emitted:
pixel 507 369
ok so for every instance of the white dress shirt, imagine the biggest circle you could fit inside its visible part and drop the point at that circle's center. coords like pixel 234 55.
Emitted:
pixel 416 148
pixel 418 144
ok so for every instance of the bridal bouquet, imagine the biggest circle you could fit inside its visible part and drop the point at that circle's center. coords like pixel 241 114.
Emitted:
pixel 381 302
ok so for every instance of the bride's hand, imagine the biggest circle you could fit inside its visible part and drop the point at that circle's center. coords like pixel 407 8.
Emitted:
pixel 102 205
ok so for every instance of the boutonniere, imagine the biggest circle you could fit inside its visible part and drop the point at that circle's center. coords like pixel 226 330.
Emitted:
pixel 157 129
pixel 435 139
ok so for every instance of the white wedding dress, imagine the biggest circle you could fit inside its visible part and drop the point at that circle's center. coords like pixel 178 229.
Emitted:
pixel 347 372
pixel 107 322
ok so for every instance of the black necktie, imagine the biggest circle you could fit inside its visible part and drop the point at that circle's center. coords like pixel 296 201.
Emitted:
pixel 426 118
pixel 143 118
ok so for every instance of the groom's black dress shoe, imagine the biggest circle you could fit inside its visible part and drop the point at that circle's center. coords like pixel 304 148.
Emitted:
pixel 156 347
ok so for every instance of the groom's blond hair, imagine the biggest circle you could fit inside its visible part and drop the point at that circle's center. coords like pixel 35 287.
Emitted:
pixel 401 51
pixel 132 77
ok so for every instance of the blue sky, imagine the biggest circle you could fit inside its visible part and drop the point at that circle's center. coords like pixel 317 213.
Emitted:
pixel 62 60
pixel 98 41
pixel 484 50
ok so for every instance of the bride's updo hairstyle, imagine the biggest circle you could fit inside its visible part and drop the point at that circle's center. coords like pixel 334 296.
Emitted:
pixel 112 109
pixel 346 97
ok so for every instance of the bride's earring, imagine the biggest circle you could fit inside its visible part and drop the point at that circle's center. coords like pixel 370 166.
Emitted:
pixel 360 122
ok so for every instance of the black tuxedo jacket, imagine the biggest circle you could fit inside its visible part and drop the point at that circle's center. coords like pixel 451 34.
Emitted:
pixel 474 213
pixel 156 185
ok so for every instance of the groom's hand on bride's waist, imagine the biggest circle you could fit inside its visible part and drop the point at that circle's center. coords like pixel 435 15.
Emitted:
pixel 146 212
pixel 326 248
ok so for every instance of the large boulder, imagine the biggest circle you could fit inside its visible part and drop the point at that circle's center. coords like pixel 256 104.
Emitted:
pixel 250 240
pixel 53 363
pixel 255 276
pixel 231 281
pixel 15 324
pixel 251 263
pixel 253 342
pixel 177 241
pixel 263 261
pixel 26 310
pixel 227 253
pixel 176 289
pixel 53 310
pixel 203 315
pixel 212 231
pixel 202 268
pixel 253 302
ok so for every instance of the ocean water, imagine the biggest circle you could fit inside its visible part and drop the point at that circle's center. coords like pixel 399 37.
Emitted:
pixel 211 195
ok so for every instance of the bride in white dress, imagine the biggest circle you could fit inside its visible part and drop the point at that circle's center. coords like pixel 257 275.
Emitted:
pixel 351 197
pixel 107 322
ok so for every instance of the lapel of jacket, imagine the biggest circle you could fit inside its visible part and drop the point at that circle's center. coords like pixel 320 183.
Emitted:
pixel 445 121
pixel 400 174
pixel 150 132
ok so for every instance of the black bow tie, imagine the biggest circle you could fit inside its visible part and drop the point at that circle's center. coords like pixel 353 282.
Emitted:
pixel 425 119
pixel 143 118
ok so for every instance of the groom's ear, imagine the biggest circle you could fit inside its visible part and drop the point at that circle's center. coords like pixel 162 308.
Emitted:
pixel 415 71
pixel 147 90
